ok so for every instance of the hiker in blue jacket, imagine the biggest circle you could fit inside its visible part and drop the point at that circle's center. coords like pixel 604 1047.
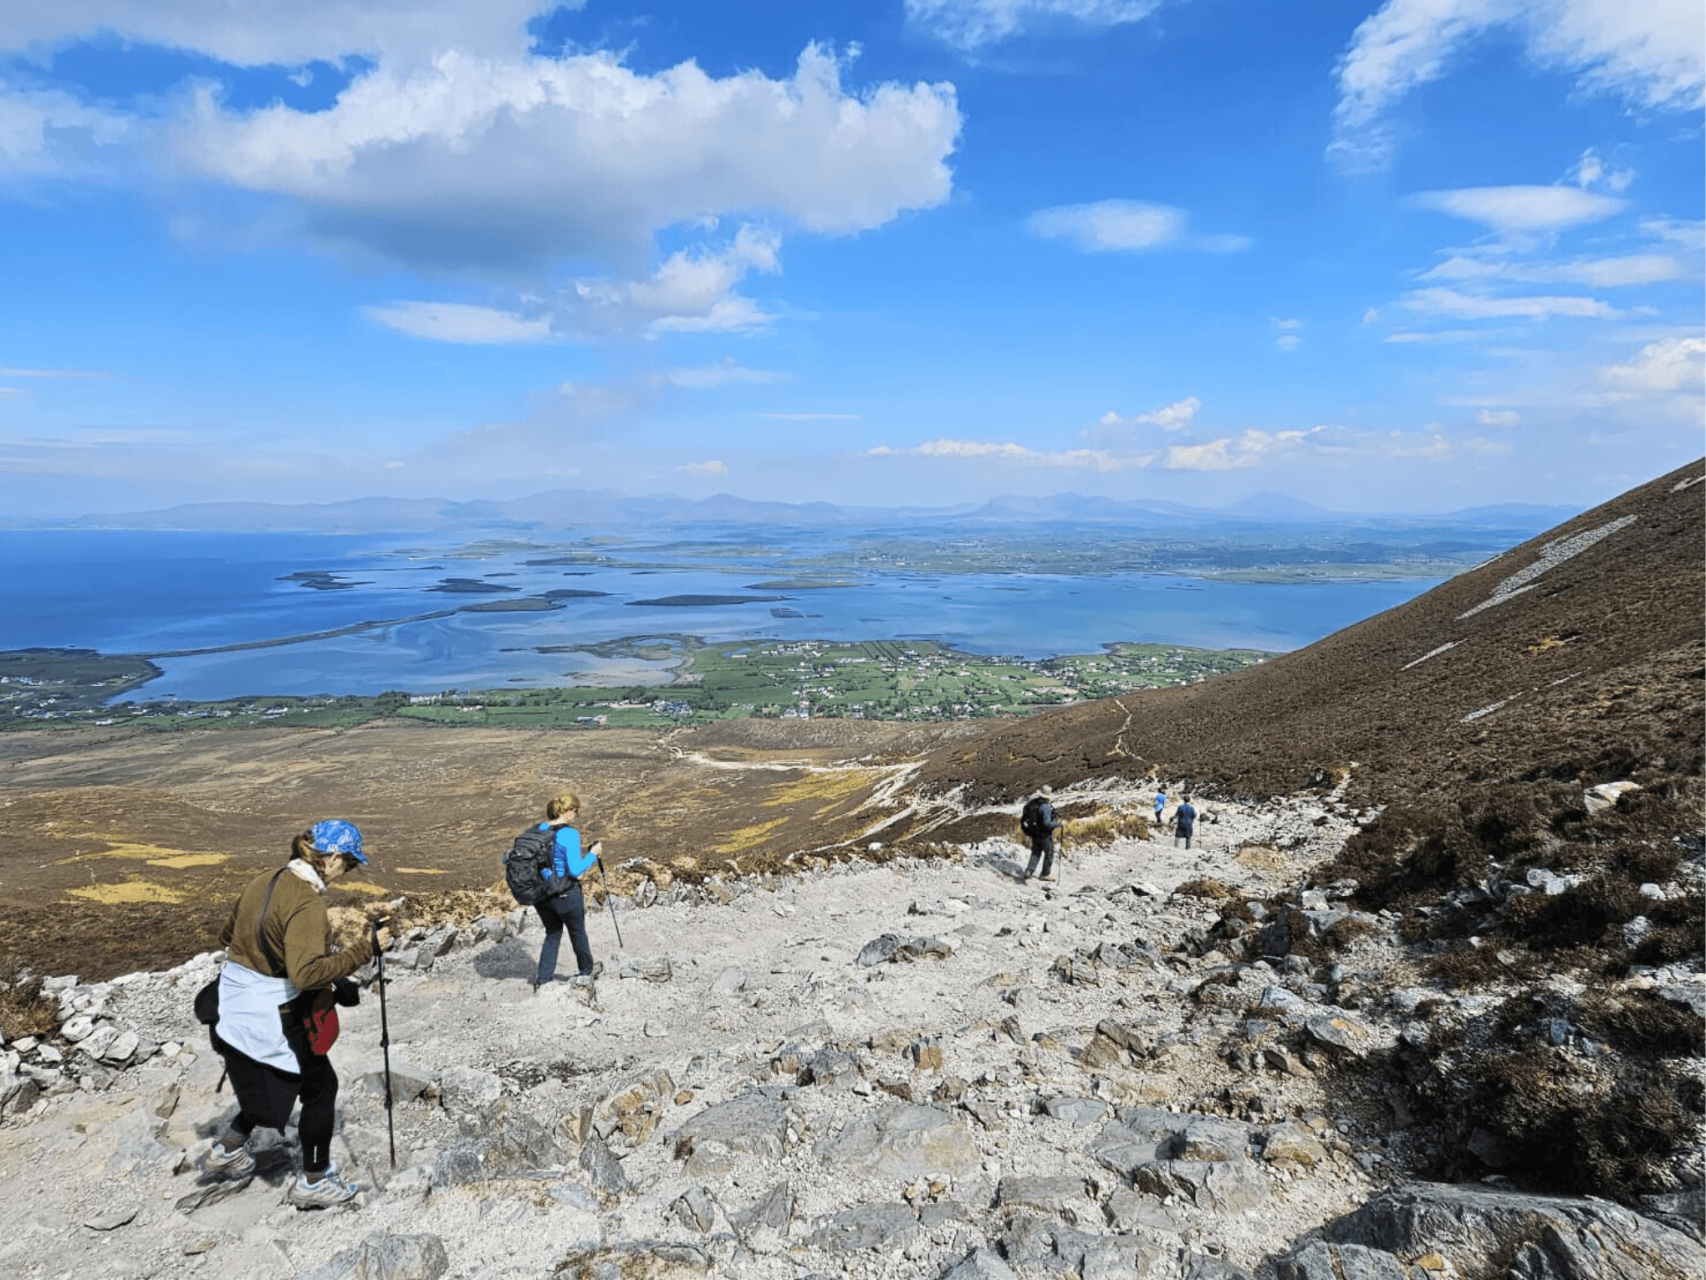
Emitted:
pixel 1184 822
pixel 1160 804
pixel 569 862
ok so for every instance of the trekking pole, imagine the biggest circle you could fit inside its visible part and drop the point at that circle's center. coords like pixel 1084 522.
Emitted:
pixel 605 881
pixel 385 1045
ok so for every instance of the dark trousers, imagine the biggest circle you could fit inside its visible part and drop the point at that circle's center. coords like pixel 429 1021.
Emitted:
pixel 1182 833
pixel 567 908
pixel 317 1091
pixel 1041 847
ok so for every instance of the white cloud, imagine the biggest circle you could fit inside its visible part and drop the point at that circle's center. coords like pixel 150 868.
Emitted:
pixel 1248 449
pixel 1170 417
pixel 257 34
pixel 1287 330
pixel 1596 273
pixel 1460 305
pixel 395 465
pixel 1498 417
pixel 1522 209
pixel 1670 364
pixel 459 322
pixel 53 373
pixel 712 467
pixel 691 291
pixel 1649 53
pixel 1125 226
pixel 473 162
pixel 1110 225
pixel 1098 460
pixel 973 24
pixel 716 375
pixel 1591 171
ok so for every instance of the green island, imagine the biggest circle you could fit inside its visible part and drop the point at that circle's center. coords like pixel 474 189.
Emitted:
pixel 802 679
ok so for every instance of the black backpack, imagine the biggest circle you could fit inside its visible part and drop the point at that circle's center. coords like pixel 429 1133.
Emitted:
pixel 1031 820
pixel 527 866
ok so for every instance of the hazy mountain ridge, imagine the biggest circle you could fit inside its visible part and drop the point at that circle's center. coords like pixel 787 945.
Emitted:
pixel 606 509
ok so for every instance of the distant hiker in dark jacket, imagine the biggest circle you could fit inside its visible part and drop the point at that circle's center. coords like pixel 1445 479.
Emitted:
pixel 569 863
pixel 1184 823
pixel 279 967
pixel 1037 822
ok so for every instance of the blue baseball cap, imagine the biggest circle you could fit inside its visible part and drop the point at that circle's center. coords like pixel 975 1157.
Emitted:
pixel 334 835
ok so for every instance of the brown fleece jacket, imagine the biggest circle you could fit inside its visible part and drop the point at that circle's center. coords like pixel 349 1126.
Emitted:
pixel 297 931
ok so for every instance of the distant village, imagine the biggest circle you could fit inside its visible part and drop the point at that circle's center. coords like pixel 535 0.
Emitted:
pixel 877 680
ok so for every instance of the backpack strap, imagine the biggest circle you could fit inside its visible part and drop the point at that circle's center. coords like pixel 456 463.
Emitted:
pixel 261 926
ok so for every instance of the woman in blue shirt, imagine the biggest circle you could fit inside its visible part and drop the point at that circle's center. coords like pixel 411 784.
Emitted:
pixel 568 863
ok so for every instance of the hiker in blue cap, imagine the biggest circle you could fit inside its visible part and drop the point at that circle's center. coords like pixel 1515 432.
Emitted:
pixel 276 991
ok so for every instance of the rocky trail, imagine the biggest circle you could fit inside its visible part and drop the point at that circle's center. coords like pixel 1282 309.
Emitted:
pixel 925 1068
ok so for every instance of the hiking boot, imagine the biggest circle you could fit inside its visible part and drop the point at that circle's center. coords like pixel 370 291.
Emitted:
pixel 329 1190
pixel 235 1163
pixel 597 968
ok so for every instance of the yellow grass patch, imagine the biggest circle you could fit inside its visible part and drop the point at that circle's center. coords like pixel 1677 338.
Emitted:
pixel 420 871
pixel 363 886
pixel 182 861
pixel 1550 642
pixel 123 849
pixel 747 837
pixel 819 786
pixel 131 891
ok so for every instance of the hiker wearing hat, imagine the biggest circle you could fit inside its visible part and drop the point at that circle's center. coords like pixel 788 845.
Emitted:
pixel 569 862
pixel 276 1021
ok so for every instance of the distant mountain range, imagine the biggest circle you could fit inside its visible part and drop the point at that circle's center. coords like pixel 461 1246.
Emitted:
pixel 588 509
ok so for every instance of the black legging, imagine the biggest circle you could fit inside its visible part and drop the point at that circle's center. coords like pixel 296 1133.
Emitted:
pixel 318 1094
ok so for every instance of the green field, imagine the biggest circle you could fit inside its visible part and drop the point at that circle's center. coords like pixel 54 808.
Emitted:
pixel 871 680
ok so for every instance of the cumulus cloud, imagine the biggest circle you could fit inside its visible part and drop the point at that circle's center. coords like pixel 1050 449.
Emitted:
pixel 1125 226
pixel 971 25
pixel 1670 364
pixel 1523 209
pixel 1170 417
pixel 712 467
pixel 691 291
pixel 1498 417
pixel 1648 53
pixel 476 162
pixel 1286 332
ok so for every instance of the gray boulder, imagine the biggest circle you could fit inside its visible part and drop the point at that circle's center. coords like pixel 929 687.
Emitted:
pixel 470 1095
pixel 1058 1195
pixel 864 1226
pixel 980 1264
pixel 1543 1237
pixel 902 1141
pixel 385 1257
pixel 1323 1261
pixel 602 1166
pixel 752 1123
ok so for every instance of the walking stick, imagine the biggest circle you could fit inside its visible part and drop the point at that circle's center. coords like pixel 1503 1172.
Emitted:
pixel 385 1046
pixel 605 881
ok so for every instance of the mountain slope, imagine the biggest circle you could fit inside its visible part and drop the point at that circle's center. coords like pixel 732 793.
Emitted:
pixel 1578 653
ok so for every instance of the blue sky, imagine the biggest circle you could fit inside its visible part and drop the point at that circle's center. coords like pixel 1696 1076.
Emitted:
pixel 1405 256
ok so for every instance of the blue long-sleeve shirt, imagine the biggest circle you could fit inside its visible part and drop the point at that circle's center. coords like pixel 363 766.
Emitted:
pixel 567 857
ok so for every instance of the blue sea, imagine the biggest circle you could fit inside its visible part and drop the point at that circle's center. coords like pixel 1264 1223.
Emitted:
pixel 162 593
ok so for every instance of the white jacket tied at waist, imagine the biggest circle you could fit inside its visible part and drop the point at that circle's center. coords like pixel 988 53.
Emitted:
pixel 249 1020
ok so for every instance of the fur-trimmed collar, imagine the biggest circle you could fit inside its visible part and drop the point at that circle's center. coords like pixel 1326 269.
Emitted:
pixel 302 871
